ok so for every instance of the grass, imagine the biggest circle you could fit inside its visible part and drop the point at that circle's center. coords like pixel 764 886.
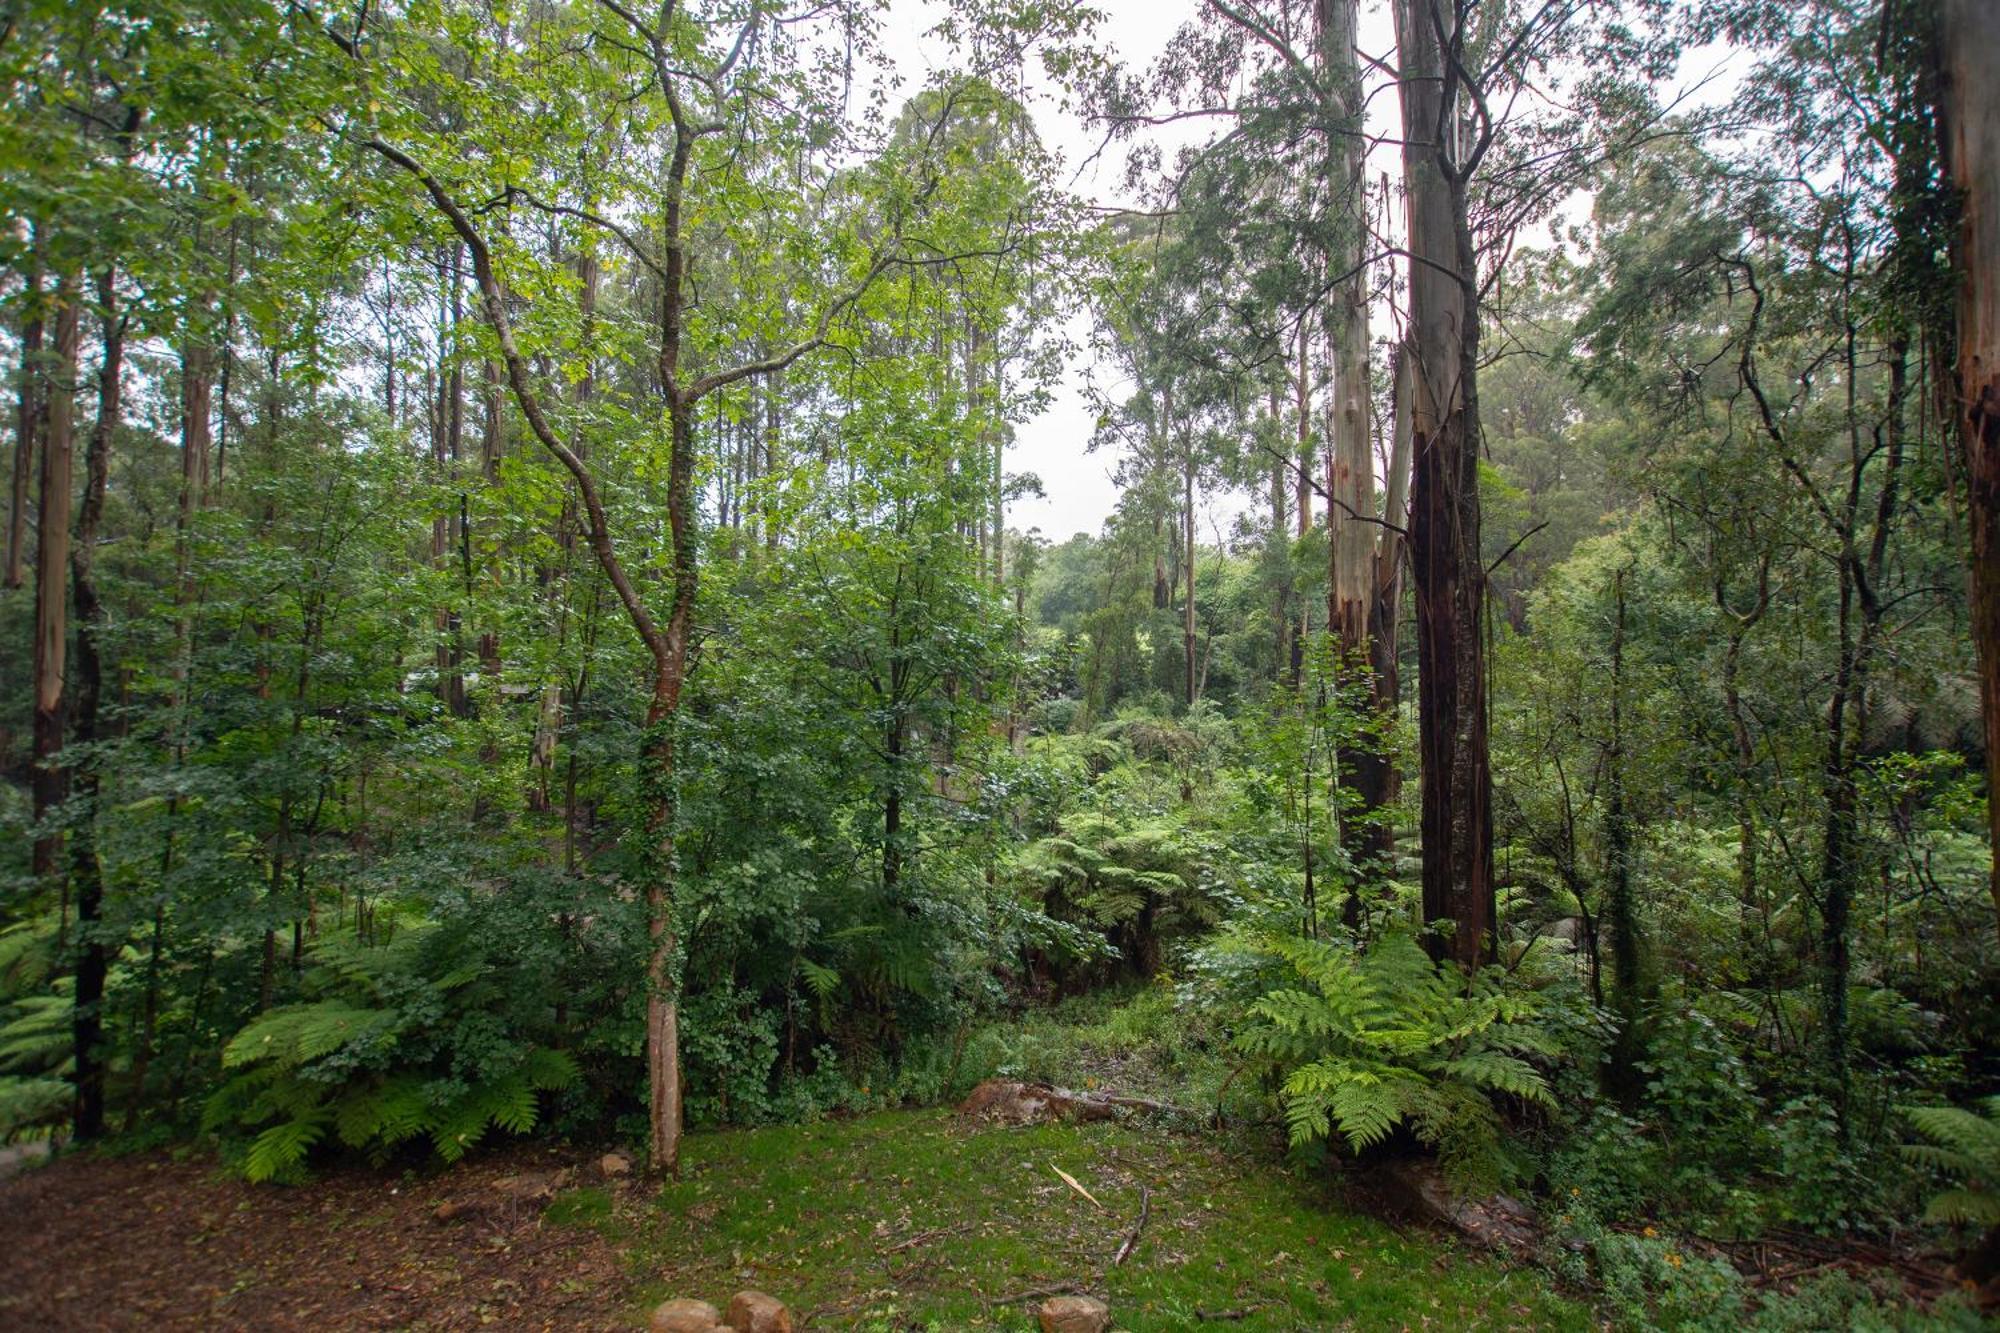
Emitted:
pixel 913 1219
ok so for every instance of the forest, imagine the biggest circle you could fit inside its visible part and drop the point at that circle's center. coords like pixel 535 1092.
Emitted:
pixel 528 632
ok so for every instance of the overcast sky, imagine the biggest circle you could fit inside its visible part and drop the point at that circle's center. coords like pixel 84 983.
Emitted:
pixel 1079 491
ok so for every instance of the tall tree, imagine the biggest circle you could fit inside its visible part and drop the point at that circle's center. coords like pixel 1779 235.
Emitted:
pixel 27 421
pixel 1969 97
pixel 52 576
pixel 94 949
pixel 1443 350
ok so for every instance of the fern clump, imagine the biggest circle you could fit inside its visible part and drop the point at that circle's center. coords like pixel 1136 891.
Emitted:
pixel 1964 1145
pixel 37 1032
pixel 1369 1040
pixel 400 1046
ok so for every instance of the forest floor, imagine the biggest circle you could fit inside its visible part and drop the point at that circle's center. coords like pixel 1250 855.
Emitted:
pixel 896 1221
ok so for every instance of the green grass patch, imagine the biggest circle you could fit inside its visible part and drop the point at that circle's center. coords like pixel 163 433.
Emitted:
pixel 579 1207
pixel 911 1218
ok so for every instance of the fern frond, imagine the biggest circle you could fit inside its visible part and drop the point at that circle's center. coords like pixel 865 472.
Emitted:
pixel 280 1151
pixel 821 980
pixel 548 1069
pixel 32 1101
pixel 1501 1073
pixel 1964 1206
pixel 294 1034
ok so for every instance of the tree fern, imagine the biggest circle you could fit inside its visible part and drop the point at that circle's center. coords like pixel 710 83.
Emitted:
pixel 396 1049
pixel 280 1151
pixel 1377 1039
pixel 37 1034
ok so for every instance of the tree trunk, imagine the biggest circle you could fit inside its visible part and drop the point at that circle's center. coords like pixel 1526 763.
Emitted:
pixel 50 782
pixel 1375 778
pixel 1302 408
pixel 1281 594
pixel 1970 111
pixel 663 1059
pixel 1187 534
pixel 94 952
pixel 197 378
pixel 447 446
pixel 549 717
pixel 1350 465
pixel 28 425
pixel 1623 911
pixel 1444 519
pixel 1838 849
pixel 774 390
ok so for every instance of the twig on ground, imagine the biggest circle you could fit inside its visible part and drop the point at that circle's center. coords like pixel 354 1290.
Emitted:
pixel 1142 1104
pixel 1132 1239
pixel 1072 1182
pixel 1227 1316
pixel 923 1237
pixel 1036 1293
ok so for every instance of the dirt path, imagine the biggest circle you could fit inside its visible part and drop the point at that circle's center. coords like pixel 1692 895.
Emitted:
pixel 152 1243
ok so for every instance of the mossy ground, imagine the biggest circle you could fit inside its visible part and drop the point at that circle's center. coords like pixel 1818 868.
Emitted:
pixel 916 1220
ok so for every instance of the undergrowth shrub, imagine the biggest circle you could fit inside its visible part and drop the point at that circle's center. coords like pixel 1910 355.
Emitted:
pixel 404 1040
pixel 36 1041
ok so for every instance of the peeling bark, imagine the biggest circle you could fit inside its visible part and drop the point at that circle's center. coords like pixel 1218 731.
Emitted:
pixel 1970 112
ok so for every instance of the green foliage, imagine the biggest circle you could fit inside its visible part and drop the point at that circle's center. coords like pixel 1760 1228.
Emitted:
pixel 35 1032
pixel 399 1048
pixel 1140 879
pixel 1963 1145
pixel 1380 1038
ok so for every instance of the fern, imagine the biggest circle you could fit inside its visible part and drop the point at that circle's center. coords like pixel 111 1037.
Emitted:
pixel 299 1033
pixel 373 1062
pixel 1964 1145
pixel 279 1152
pixel 39 1034
pixel 28 1103
pixel 27 955
pixel 1371 1041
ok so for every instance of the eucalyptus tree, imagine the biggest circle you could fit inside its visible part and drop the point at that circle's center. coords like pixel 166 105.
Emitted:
pixel 1486 151
pixel 1967 96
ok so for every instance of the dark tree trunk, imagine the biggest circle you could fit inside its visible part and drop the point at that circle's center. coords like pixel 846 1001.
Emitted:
pixel 94 949
pixel 1444 516
pixel 1619 905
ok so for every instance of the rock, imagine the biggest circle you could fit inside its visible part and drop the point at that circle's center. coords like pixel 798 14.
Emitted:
pixel 1419 1189
pixel 1030 1103
pixel 1074 1314
pixel 614 1165
pixel 755 1312
pixel 685 1316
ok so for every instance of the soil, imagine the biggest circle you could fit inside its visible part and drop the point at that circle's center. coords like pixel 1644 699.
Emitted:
pixel 152 1243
